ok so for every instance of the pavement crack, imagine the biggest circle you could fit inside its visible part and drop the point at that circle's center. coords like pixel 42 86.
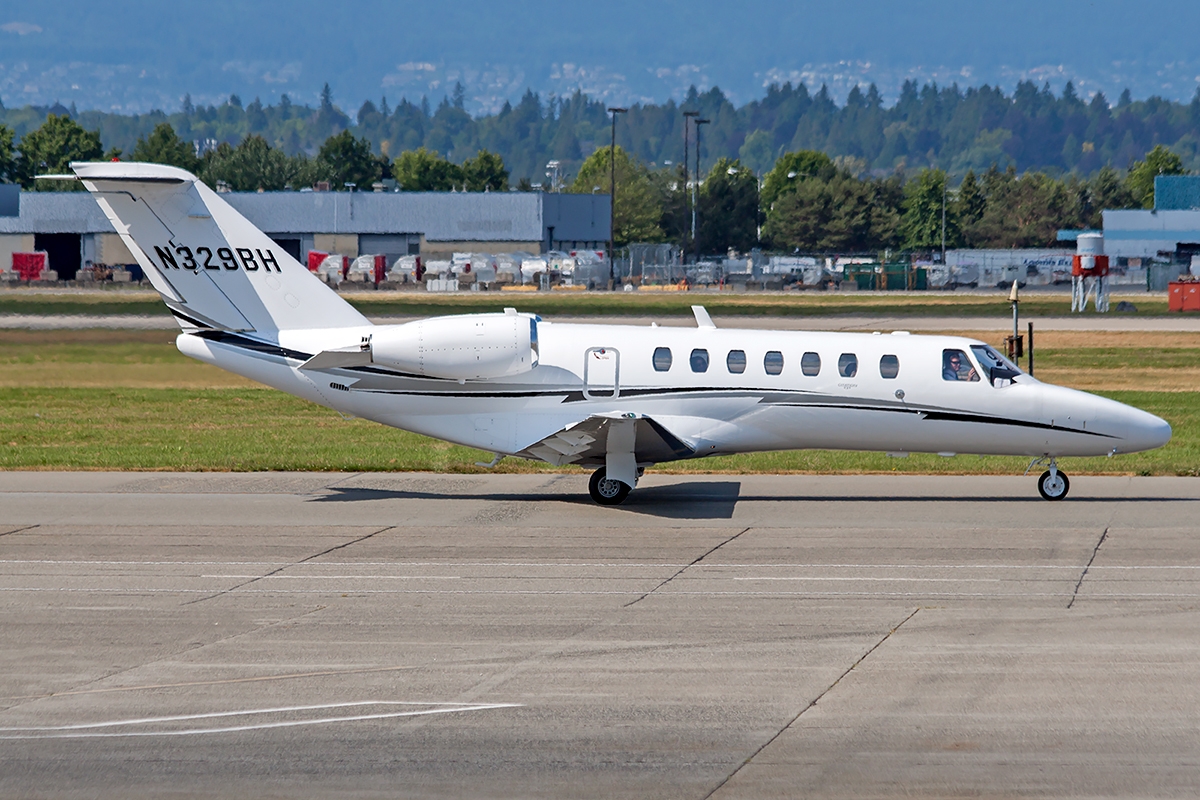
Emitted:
pixel 1082 575
pixel 814 701
pixel 19 530
pixel 685 569
pixel 81 689
pixel 304 560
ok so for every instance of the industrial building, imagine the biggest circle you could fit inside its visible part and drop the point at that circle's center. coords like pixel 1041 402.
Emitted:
pixel 1170 230
pixel 72 230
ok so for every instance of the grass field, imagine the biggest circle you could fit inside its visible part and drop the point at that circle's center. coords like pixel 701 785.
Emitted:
pixel 129 400
pixel 417 303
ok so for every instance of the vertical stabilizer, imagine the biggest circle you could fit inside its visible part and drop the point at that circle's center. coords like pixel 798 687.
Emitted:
pixel 213 268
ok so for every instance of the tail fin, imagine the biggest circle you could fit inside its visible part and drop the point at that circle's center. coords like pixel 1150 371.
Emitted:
pixel 213 268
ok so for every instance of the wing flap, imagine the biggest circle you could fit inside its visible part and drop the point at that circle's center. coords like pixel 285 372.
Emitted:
pixel 586 442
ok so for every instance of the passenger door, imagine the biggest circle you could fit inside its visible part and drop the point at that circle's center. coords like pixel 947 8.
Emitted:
pixel 601 373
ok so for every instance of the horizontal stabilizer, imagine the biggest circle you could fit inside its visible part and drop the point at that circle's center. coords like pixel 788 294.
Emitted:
pixel 339 359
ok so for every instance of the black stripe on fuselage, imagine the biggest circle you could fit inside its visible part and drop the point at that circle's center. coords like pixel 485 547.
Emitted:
pixel 254 345
pixel 190 320
pixel 942 415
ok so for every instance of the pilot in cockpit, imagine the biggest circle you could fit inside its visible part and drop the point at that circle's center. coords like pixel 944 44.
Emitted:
pixel 952 367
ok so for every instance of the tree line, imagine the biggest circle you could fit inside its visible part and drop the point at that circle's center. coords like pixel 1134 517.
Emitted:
pixel 947 128
pixel 807 202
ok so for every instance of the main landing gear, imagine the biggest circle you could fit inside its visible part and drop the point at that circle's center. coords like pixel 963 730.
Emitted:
pixel 1053 485
pixel 607 492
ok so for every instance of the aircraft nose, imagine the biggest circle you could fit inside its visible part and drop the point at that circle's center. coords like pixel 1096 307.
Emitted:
pixel 1148 431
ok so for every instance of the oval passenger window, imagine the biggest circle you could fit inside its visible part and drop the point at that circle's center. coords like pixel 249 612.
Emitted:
pixel 889 366
pixel 699 360
pixel 847 365
pixel 736 361
pixel 810 364
pixel 662 359
pixel 773 362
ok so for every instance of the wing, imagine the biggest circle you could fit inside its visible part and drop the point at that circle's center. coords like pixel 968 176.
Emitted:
pixel 585 442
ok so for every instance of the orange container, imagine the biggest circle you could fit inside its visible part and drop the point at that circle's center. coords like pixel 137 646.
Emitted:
pixel 1191 297
pixel 1175 296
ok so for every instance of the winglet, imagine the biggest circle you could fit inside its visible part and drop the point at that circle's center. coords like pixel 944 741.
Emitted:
pixel 703 320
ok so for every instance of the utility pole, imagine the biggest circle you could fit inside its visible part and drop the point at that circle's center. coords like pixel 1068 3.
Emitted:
pixel 696 188
pixel 612 197
pixel 687 153
pixel 943 220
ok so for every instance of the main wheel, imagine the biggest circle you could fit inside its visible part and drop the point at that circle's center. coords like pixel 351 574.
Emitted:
pixel 607 492
pixel 1053 487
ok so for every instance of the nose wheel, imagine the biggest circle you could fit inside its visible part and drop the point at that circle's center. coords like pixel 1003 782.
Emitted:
pixel 605 491
pixel 1053 485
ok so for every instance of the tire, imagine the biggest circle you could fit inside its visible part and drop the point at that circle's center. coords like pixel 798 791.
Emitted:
pixel 606 492
pixel 1053 490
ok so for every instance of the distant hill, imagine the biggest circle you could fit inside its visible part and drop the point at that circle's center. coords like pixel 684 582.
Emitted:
pixel 143 55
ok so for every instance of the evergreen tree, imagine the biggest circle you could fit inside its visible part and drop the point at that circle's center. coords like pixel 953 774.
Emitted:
pixel 928 213
pixel 728 209
pixel 344 158
pixel 842 214
pixel 1025 211
pixel 1105 191
pixel 758 151
pixel 971 202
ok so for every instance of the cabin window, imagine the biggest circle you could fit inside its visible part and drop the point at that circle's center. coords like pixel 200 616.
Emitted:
pixel 736 361
pixel 699 360
pixel 810 364
pixel 847 365
pixel 662 359
pixel 773 362
pixel 889 367
pixel 957 367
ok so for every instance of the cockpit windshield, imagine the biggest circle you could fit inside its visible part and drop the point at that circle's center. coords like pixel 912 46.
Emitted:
pixel 998 369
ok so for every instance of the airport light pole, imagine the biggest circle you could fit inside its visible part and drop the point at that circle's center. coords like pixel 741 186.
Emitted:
pixel 612 196
pixel 944 181
pixel 696 188
pixel 687 153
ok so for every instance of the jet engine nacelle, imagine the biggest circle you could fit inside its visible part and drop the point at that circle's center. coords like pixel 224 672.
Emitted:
pixel 463 347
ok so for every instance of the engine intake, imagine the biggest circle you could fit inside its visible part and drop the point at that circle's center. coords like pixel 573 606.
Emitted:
pixel 462 347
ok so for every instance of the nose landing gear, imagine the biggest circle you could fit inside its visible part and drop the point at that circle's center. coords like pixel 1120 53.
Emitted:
pixel 1052 485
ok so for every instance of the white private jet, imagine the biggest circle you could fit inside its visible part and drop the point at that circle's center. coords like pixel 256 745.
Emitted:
pixel 616 397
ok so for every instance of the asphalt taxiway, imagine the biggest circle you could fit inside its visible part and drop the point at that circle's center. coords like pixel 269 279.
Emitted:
pixel 222 635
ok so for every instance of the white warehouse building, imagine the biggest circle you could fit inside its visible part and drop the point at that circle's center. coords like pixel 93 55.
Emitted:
pixel 70 227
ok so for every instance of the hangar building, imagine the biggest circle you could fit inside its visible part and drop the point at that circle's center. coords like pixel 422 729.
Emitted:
pixel 70 227
pixel 1171 228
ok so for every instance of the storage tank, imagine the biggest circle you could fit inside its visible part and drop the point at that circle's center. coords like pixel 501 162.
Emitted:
pixel 1088 246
